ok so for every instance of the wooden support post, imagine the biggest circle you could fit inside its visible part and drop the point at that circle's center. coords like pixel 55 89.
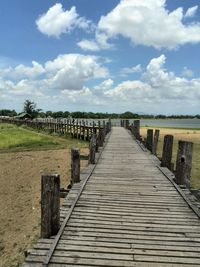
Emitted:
pixel 167 151
pixel 126 124
pixel 50 205
pixel 149 142
pixel 184 163
pixel 75 165
pixel 104 130
pixel 97 142
pixel 100 137
pixel 136 125
pixel 155 141
pixel 83 131
pixel 92 149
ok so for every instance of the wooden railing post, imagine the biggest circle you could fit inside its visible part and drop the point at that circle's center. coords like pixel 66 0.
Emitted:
pixel 149 141
pixel 127 124
pixel 167 152
pixel 100 137
pixel 155 141
pixel 136 125
pixel 75 165
pixel 184 163
pixel 50 205
pixel 92 150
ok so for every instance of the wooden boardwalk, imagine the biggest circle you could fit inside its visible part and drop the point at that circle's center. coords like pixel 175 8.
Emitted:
pixel 129 214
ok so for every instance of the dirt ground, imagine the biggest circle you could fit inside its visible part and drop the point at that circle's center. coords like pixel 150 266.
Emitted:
pixel 20 175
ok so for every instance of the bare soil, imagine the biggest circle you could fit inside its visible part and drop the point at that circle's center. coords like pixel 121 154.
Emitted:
pixel 20 175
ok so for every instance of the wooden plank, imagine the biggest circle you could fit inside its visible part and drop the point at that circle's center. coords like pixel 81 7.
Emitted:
pixel 56 240
pixel 125 216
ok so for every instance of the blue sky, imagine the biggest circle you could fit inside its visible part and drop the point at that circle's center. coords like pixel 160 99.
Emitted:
pixel 93 55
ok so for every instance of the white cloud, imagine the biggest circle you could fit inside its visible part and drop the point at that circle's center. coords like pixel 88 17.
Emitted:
pixel 89 45
pixel 64 82
pixel 22 71
pixel 191 12
pixel 187 72
pixel 99 43
pixel 157 88
pixel 135 69
pixel 71 71
pixel 147 23
pixel 67 72
pixel 57 21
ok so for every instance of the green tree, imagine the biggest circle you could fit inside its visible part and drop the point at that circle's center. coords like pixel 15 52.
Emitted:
pixel 30 108
pixel 129 115
pixel 8 112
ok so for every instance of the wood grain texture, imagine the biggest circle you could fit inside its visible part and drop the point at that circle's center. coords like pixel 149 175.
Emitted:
pixel 129 214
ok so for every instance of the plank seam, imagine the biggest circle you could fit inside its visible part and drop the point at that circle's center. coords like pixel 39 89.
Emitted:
pixel 64 223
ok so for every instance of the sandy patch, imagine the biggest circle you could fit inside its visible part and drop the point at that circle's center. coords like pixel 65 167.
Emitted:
pixel 20 175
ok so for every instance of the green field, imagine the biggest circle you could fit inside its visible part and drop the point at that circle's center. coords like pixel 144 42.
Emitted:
pixel 14 138
pixel 192 135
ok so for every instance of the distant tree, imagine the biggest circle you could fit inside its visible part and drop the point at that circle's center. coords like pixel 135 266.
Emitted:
pixel 42 114
pixel 49 113
pixel 129 115
pixel 66 114
pixel 8 112
pixel 160 116
pixel 30 108
pixel 58 114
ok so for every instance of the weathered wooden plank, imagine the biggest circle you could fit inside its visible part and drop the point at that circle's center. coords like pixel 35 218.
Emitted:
pixel 163 259
pixel 129 214
pixel 159 240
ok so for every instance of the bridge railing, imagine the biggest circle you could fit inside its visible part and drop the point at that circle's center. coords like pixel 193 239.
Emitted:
pixel 183 167
pixel 50 185
pixel 74 128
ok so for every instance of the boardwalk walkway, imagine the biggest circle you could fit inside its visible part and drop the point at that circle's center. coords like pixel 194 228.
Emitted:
pixel 129 214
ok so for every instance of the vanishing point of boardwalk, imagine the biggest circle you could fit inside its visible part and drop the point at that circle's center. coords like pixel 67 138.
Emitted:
pixel 129 214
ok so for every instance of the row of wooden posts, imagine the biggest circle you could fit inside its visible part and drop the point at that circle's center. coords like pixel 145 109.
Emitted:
pixel 184 154
pixel 74 128
pixel 50 186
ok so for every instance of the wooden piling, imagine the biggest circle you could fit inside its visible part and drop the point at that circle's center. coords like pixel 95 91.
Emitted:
pixel 184 163
pixel 50 205
pixel 127 124
pixel 75 165
pixel 149 141
pixel 92 149
pixel 167 151
pixel 155 141
pixel 136 129
pixel 100 138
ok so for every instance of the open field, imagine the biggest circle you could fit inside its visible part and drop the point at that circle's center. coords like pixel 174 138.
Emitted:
pixel 20 174
pixel 192 135
pixel 14 138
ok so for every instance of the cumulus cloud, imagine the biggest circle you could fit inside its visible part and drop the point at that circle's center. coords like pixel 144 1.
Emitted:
pixel 68 72
pixel 191 12
pixel 187 72
pixel 72 70
pixel 135 69
pixel 57 21
pixel 64 81
pixel 147 23
pixel 99 43
pixel 22 71
pixel 157 86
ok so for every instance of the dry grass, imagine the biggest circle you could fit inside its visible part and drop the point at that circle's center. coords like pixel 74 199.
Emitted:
pixel 185 135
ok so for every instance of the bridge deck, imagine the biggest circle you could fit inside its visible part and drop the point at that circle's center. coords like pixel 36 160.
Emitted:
pixel 129 214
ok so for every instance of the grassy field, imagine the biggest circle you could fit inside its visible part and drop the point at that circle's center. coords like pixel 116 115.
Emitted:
pixel 14 138
pixel 32 154
pixel 192 135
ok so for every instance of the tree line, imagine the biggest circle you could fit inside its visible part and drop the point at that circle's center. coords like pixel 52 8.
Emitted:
pixel 95 115
pixel 29 107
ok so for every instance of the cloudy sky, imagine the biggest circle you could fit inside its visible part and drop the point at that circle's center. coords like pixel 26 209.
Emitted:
pixel 108 55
